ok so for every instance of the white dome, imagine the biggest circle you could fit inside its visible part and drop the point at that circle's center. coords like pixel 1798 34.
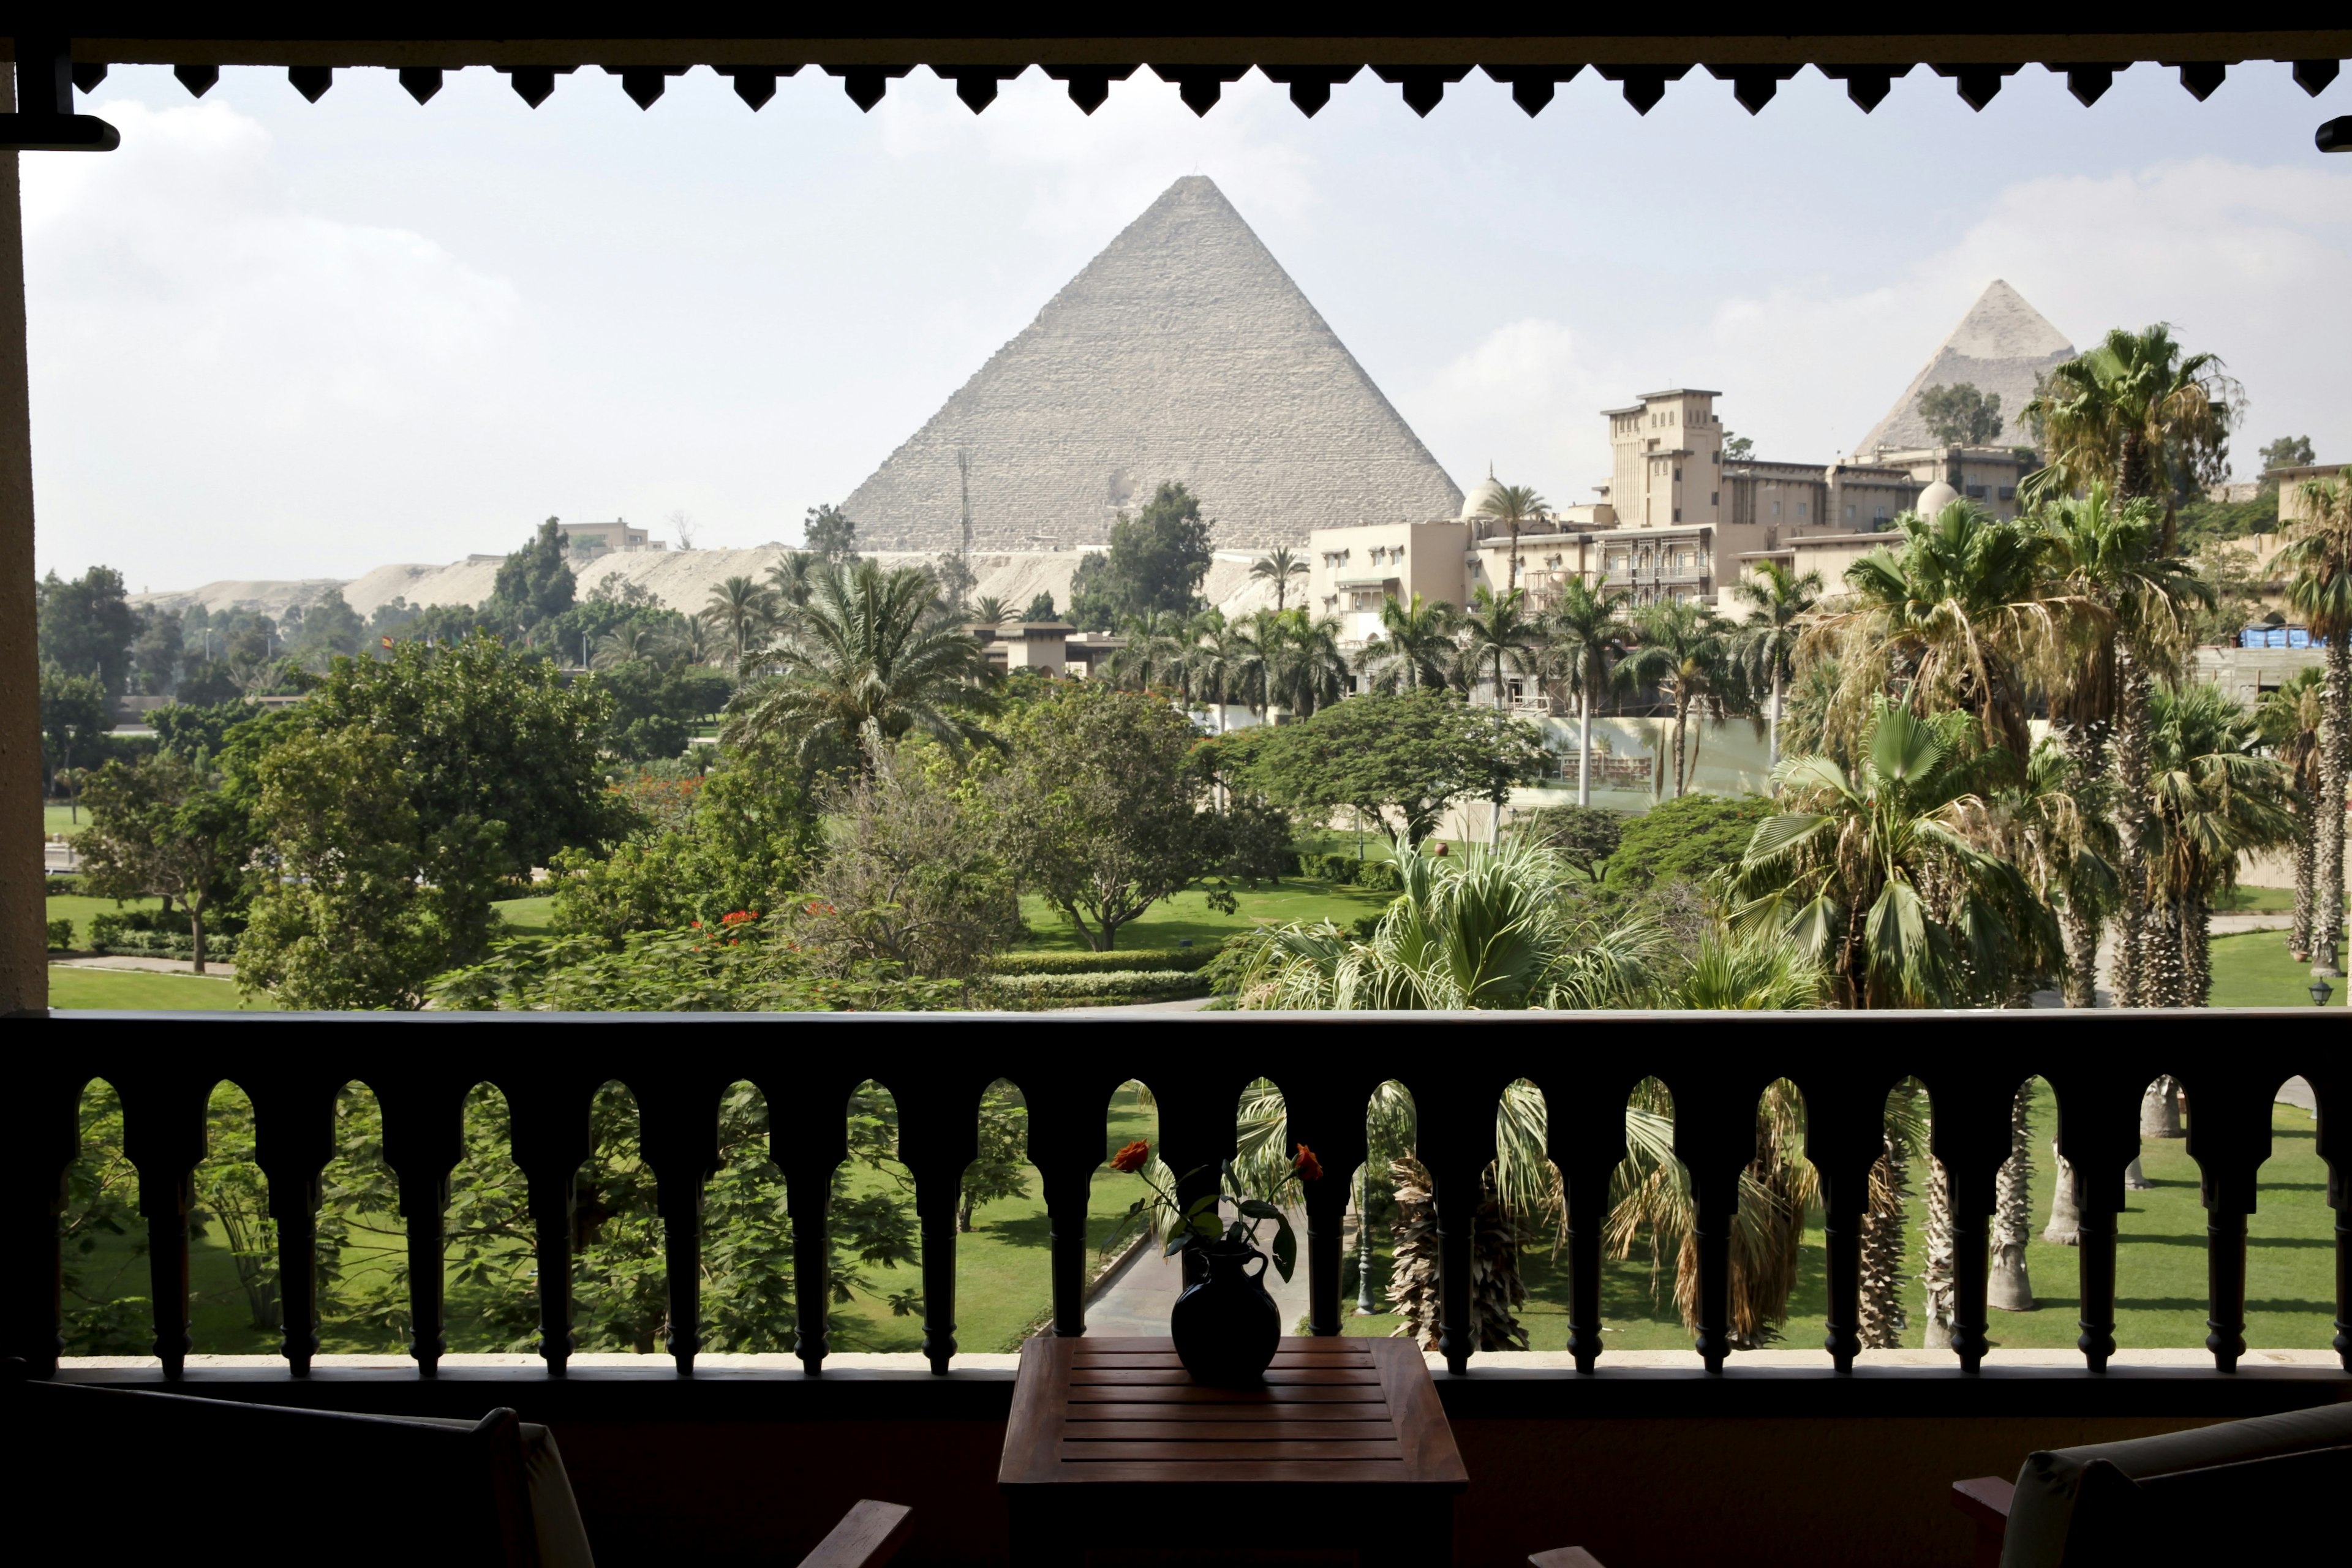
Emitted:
pixel 1474 503
pixel 1936 497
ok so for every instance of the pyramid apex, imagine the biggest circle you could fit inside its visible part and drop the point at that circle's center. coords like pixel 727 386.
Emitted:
pixel 2001 346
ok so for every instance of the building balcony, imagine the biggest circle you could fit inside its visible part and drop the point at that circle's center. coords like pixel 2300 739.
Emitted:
pixel 1816 1456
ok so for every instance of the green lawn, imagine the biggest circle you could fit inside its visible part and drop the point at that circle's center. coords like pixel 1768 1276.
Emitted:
pixel 1189 915
pixel 526 917
pixel 2160 1266
pixel 2252 969
pixel 78 907
pixel 134 990
pixel 57 819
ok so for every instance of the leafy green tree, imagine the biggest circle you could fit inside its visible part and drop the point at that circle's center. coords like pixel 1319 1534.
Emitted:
pixel 499 757
pixel 865 660
pixel 533 586
pixel 189 728
pixel 1961 415
pixel 1041 607
pixel 1693 838
pixel 329 628
pixel 2288 452
pixel 744 839
pixel 86 626
pixel 910 877
pixel 828 536
pixel 656 706
pixel 1415 754
pixel 1156 561
pixel 1099 808
pixel 1737 448
pixel 1582 836
pixel 163 826
pixel 1000 1169
pixel 76 715
pixel 344 922
pixel 156 654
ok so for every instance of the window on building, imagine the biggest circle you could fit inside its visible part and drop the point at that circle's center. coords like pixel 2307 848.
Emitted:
pixel 1976 492
pixel 1801 509
pixel 1398 553
pixel 1678 476
pixel 1678 514
pixel 1776 509
pixel 1849 513
pixel 1715 497
pixel 2009 492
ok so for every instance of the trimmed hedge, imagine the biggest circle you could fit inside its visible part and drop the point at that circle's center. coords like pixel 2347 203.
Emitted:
pixel 1136 961
pixel 1345 871
pixel 1114 985
pixel 159 944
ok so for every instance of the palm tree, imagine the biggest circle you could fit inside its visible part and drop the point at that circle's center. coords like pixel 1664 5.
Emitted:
pixel 1682 650
pixel 1497 631
pixel 863 663
pixel 2136 412
pixel 1765 647
pixel 2319 555
pixel 2130 624
pixel 991 612
pixel 1314 671
pixel 688 641
pixel 2292 720
pixel 1415 641
pixel 1259 645
pixel 1279 566
pixel 743 610
pixel 1881 875
pixel 1220 664
pixel 1155 654
pixel 2210 798
pixel 2052 831
pixel 1584 634
pixel 1513 506
pixel 790 577
pixel 625 645
pixel 1959 617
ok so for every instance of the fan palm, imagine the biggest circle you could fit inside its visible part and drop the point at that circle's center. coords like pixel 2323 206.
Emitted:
pixel 1583 635
pixel 2293 720
pixel 2319 555
pixel 2211 799
pixel 865 660
pixel 1278 566
pixel 1513 506
pixel 1412 647
pixel 1765 647
pixel 2130 623
pixel 2138 413
pixel 1956 617
pixel 742 611
pixel 625 645
pixel 1880 874
pixel 2051 830
pixel 1682 649
pixel 1496 632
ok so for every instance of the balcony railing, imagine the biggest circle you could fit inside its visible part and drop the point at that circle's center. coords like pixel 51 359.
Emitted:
pixel 421 1067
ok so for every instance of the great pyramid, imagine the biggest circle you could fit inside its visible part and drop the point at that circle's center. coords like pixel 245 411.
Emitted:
pixel 2000 347
pixel 1182 352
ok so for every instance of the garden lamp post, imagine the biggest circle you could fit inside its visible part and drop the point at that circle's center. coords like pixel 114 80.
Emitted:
pixel 2320 992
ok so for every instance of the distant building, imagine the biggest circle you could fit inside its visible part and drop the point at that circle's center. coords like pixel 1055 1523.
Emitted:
pixel 594 541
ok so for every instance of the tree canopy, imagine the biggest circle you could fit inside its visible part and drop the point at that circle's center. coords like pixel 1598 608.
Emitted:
pixel 86 625
pixel 1961 415
pixel 1414 753
pixel 1156 561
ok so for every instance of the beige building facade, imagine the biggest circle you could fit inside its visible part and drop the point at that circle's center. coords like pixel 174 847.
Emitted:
pixel 594 541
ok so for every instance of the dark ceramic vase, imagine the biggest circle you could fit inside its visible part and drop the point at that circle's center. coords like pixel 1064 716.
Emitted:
pixel 1226 1327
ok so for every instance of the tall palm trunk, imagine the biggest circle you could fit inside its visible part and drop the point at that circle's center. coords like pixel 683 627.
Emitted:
pixel 1881 1319
pixel 2306 866
pixel 2078 928
pixel 1772 752
pixel 2335 762
pixel 2196 952
pixel 2009 1287
pixel 2132 762
pixel 1679 716
pixel 1937 1276
pixel 2164 977
pixel 2066 1226
pixel 1584 758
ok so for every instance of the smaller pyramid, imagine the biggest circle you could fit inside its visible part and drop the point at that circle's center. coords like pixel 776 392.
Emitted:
pixel 2001 346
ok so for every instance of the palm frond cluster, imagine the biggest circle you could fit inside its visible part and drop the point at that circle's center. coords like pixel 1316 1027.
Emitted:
pixel 1284 659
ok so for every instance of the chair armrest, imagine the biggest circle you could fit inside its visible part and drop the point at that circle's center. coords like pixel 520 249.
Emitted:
pixel 1985 1500
pixel 868 1536
pixel 1564 1557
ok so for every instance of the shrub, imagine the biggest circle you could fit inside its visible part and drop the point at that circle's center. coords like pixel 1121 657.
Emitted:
pixel 105 930
pixel 162 943
pixel 1694 836
pixel 1382 877
pixel 1113 986
pixel 60 936
pixel 1160 960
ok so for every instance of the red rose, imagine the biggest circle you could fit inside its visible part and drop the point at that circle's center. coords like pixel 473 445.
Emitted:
pixel 1132 1158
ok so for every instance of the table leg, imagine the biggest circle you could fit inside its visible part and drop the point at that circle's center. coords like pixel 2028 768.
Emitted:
pixel 1042 1538
pixel 1416 1536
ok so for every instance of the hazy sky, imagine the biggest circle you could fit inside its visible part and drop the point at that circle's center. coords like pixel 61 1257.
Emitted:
pixel 275 339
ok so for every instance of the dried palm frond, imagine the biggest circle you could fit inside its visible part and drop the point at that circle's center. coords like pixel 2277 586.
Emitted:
pixel 1496 1288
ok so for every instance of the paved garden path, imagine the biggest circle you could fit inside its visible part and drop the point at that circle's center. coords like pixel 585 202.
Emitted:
pixel 1136 1301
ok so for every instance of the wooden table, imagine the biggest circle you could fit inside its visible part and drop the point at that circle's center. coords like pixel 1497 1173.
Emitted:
pixel 1345 1447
